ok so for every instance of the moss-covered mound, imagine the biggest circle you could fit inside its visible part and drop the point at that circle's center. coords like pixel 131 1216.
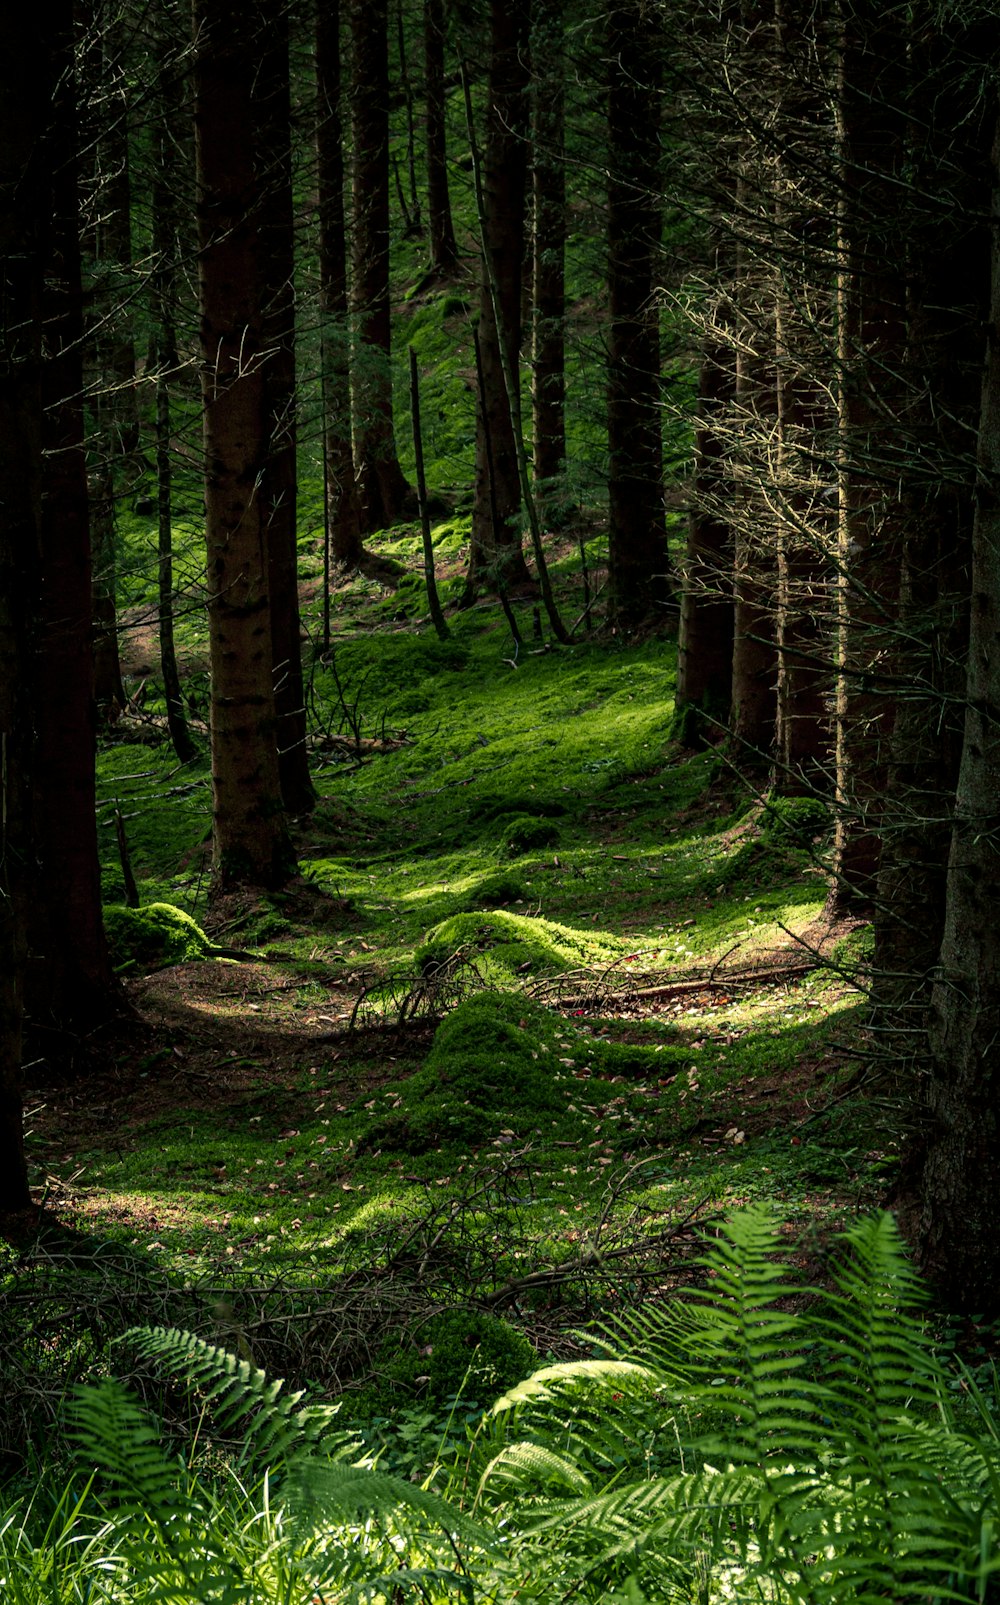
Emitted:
pixel 152 937
pixel 510 946
pixel 524 833
pixel 491 1068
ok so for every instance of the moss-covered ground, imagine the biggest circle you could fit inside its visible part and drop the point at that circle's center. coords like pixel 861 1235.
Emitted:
pixel 547 990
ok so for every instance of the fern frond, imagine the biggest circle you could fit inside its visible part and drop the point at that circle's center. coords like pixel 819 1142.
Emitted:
pixel 523 1465
pixel 241 1400
pixel 112 1431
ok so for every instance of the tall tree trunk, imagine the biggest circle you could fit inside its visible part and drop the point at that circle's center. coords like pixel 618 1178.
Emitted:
pixel 444 248
pixel 70 982
pixel 872 330
pixel 115 462
pixel 343 506
pixel 548 251
pixel 25 96
pixel 705 642
pixel 495 551
pixel 164 204
pixel 960 1244
pixel 948 306
pixel 755 576
pixel 639 578
pixel 804 424
pixel 279 491
pixel 385 495
pixel 250 836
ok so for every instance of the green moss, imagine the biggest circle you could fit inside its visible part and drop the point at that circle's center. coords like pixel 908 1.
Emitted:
pixel 152 937
pixel 516 944
pixel 457 1353
pixel 496 891
pixel 491 1067
pixel 794 821
pixel 523 833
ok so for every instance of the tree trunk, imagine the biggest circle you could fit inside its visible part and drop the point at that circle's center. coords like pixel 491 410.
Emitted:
pixel 71 986
pixel 755 535
pixel 25 95
pixel 548 250
pixel 250 836
pixel 495 553
pixel 385 495
pixel 705 644
pixel 804 421
pixel 960 1244
pixel 164 201
pixel 639 578
pixel 444 248
pixel 279 490
pixel 343 507
pixel 948 306
pixel 872 304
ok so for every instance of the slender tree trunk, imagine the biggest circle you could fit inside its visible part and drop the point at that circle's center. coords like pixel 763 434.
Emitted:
pixel 755 568
pixel 343 506
pixel 113 428
pixel 25 95
pixel 496 540
pixel 444 248
pixel 548 251
pixel 414 226
pixel 705 644
pixel 639 578
pixel 385 495
pixel 164 200
pixel 250 835
pixel 70 982
pixel 279 491
pixel 872 305
pixel 804 424
pixel 960 1244
pixel 430 578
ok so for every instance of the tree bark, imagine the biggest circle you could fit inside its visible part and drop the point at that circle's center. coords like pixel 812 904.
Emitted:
pixel 548 251
pixel 70 984
pixel 639 577
pixel 279 490
pixel 25 94
pixel 164 203
pixel 385 495
pixel 959 1241
pixel 496 519
pixel 250 836
pixel 444 247
pixel 872 331
pixel 705 643
pixel 948 306
pixel 343 506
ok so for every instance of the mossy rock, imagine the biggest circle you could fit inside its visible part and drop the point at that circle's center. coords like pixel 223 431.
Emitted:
pixel 491 1067
pixel 523 834
pixel 515 945
pixel 152 937
pixel 794 821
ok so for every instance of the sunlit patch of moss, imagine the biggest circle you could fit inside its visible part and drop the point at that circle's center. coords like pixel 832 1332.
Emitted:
pixel 517 944
pixel 152 937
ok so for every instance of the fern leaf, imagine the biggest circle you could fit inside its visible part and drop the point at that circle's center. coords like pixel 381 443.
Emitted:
pixel 242 1401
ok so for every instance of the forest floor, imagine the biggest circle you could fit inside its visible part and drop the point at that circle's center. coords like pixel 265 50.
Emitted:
pixel 652 1022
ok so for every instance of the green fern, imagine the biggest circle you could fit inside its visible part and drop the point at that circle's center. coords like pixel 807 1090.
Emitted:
pixel 271 1424
pixel 816 1462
